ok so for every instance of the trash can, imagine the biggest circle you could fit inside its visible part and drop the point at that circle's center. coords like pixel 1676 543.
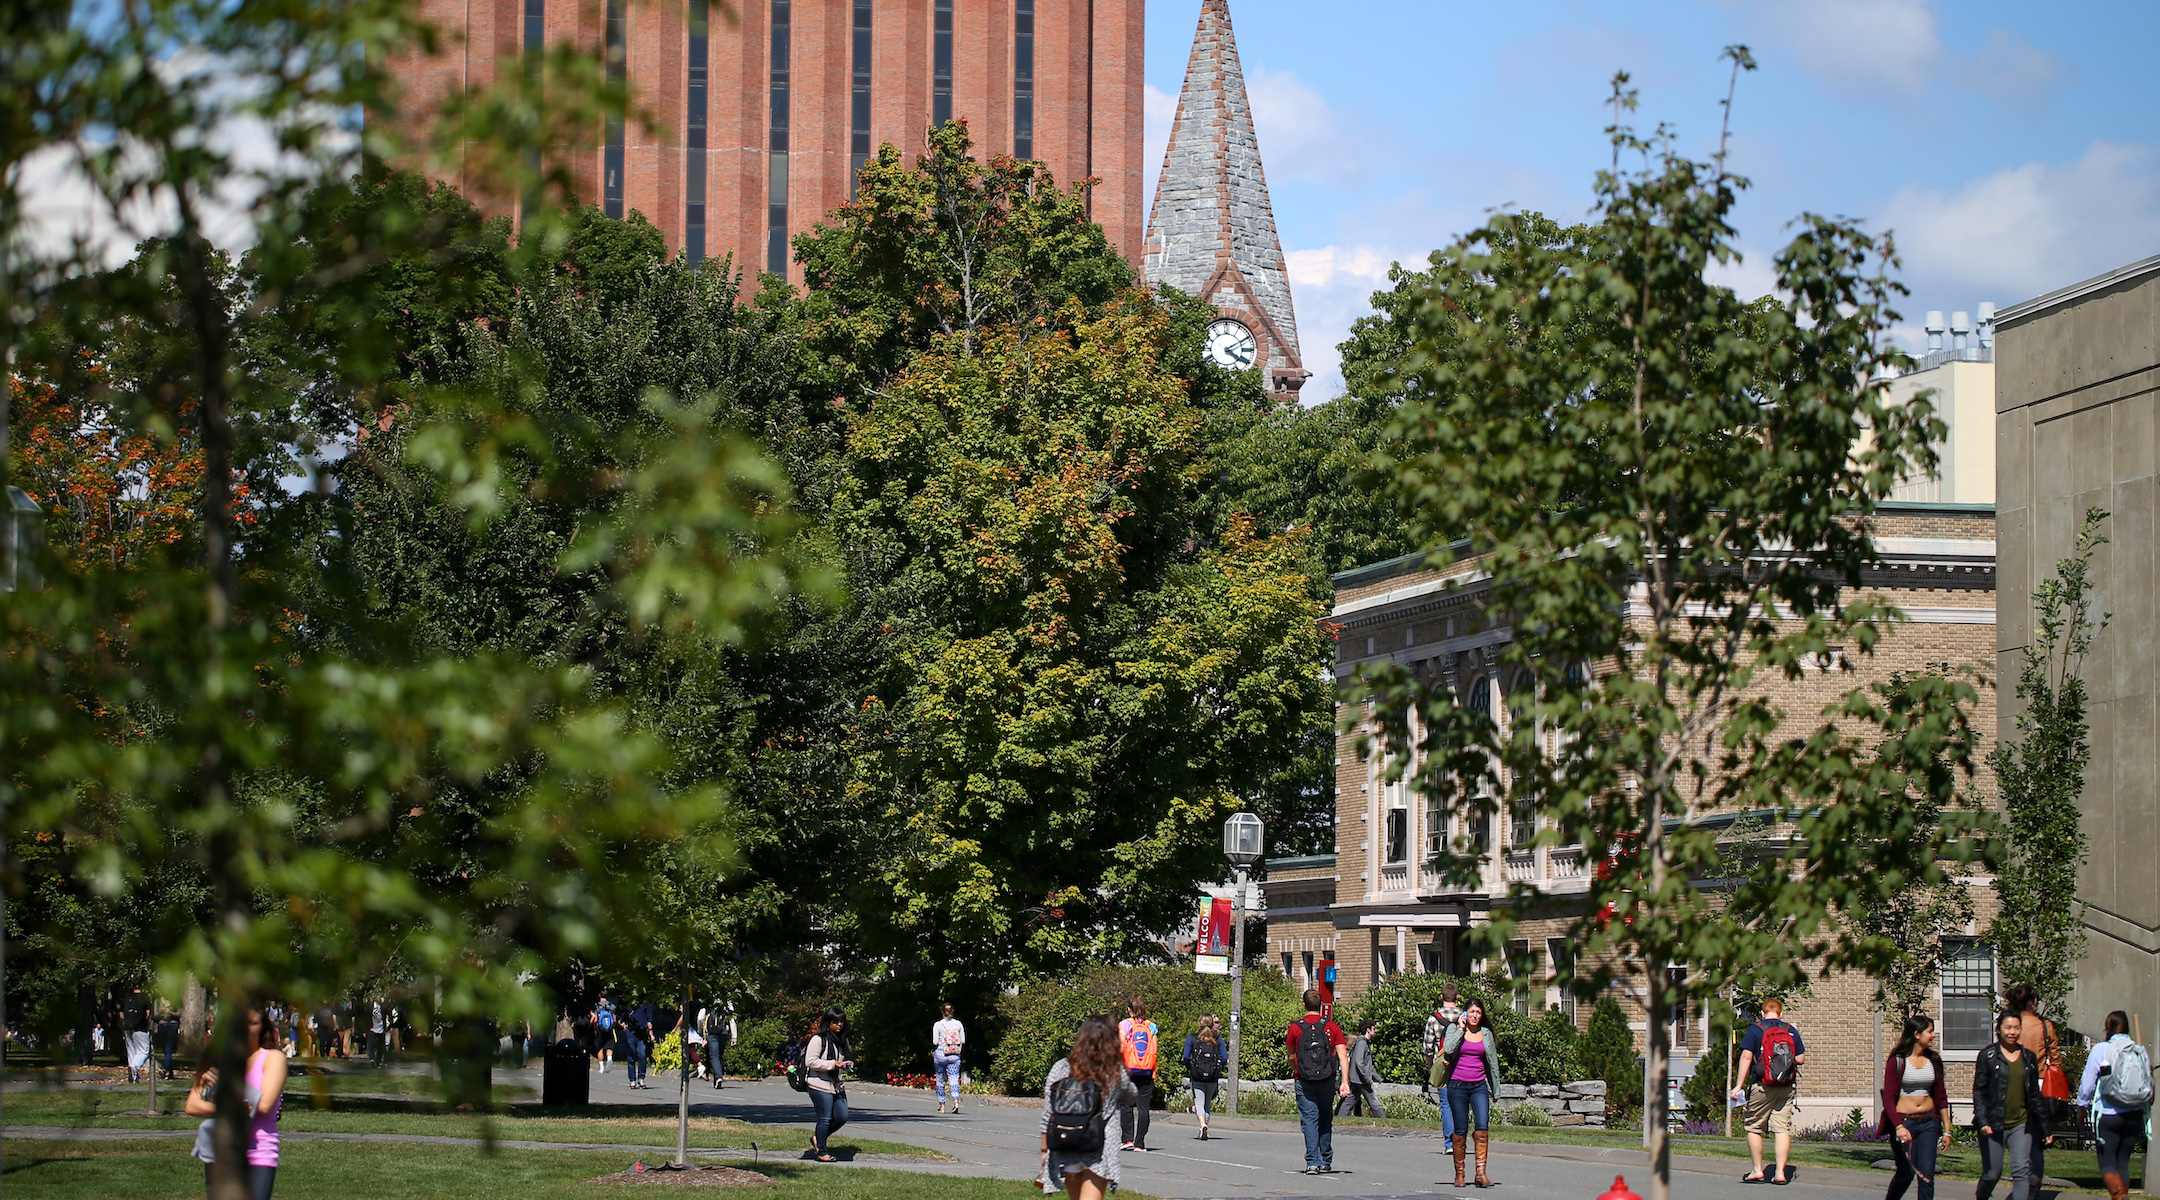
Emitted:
pixel 566 1077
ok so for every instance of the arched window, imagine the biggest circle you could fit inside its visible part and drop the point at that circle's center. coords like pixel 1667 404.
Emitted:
pixel 1480 698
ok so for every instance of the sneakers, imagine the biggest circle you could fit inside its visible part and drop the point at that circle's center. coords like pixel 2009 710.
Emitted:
pixel 1128 1147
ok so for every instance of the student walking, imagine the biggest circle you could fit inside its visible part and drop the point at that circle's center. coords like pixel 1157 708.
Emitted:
pixel 1320 1055
pixel 2008 1111
pixel 1771 1054
pixel 1471 1057
pixel 1444 1018
pixel 1915 1108
pixel 378 1027
pixel 2117 1087
pixel 825 1055
pixel 604 1030
pixel 947 1036
pixel 637 1027
pixel 135 1026
pixel 1083 1095
pixel 1362 1076
pixel 1139 1042
pixel 265 1083
pixel 2039 1038
pixel 1205 1054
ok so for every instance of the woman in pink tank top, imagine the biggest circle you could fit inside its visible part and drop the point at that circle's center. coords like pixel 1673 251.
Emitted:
pixel 266 1094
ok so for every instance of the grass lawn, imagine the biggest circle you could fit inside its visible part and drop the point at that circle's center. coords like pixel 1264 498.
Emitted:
pixel 627 1124
pixel 1959 1162
pixel 342 1170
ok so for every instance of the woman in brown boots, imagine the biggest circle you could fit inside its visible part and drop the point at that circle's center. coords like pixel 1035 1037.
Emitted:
pixel 1471 1067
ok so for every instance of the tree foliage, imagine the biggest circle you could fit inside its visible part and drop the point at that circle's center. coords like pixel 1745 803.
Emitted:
pixel 2038 928
pixel 1672 493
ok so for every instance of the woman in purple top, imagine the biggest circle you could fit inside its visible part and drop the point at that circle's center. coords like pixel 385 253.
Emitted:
pixel 1470 1062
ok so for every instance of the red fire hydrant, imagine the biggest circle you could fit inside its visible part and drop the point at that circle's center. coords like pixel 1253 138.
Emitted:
pixel 1619 1190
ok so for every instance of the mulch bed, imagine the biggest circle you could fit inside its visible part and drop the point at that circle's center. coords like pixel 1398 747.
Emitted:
pixel 694 1177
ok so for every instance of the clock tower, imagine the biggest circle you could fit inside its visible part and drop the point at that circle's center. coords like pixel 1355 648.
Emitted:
pixel 1212 230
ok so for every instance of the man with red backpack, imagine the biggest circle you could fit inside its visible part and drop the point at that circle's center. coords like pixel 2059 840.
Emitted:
pixel 1771 1053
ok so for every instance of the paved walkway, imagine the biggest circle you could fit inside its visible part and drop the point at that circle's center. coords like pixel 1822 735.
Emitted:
pixel 1249 1157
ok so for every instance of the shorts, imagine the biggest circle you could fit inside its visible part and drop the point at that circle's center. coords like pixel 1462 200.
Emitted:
pixel 1770 1109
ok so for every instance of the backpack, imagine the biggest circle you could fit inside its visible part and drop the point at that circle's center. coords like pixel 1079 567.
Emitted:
pixel 795 1057
pixel 1076 1116
pixel 954 1039
pixel 1779 1057
pixel 2128 1082
pixel 1207 1061
pixel 1315 1054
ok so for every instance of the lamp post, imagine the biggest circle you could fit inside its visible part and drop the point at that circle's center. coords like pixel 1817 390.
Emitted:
pixel 1242 837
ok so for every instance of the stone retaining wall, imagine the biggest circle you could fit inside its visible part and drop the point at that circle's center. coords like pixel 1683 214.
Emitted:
pixel 1579 1103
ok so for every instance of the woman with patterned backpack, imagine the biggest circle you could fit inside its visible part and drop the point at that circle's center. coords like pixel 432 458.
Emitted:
pixel 1084 1096
pixel 2117 1088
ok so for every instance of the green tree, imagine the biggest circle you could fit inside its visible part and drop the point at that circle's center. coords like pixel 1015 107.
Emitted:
pixel 1071 691
pixel 1671 520
pixel 346 809
pixel 2038 930
pixel 1607 1052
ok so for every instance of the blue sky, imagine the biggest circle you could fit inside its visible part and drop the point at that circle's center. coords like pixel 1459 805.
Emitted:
pixel 2013 148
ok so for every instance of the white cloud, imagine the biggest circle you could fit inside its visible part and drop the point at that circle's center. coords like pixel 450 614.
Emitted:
pixel 1866 49
pixel 2010 68
pixel 1302 136
pixel 1332 286
pixel 1158 111
pixel 1865 46
pixel 2029 229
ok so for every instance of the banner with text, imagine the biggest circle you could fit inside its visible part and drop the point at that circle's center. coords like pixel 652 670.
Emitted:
pixel 1212 945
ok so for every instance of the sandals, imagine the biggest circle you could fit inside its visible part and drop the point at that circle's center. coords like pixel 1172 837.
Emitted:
pixel 1753 1179
pixel 825 1158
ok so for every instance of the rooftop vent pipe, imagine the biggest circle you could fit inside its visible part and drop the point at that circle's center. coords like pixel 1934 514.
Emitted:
pixel 1935 330
pixel 1987 324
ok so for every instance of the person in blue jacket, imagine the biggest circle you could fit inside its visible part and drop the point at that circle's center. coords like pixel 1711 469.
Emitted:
pixel 1206 1056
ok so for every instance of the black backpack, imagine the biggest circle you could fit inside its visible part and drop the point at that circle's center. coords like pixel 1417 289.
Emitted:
pixel 1206 1060
pixel 1076 1116
pixel 1315 1053
pixel 792 1057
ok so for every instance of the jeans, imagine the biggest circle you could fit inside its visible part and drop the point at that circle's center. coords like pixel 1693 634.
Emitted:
pixel 1917 1160
pixel 637 1060
pixel 2119 1134
pixel 1316 1116
pixel 831 1114
pixel 1135 1119
pixel 1203 1096
pixel 1447 1116
pixel 259 1181
pixel 947 1067
pixel 1360 1097
pixel 2015 1145
pixel 1473 1101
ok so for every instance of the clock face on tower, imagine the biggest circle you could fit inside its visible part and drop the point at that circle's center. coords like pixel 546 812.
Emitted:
pixel 1230 345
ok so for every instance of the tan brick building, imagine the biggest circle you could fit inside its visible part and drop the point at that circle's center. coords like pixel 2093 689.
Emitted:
pixel 1377 907
pixel 766 108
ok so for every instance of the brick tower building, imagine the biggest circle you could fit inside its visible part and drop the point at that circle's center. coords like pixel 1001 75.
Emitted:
pixel 765 108
pixel 1211 231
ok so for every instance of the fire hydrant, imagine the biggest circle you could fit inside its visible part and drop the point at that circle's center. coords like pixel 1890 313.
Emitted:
pixel 1619 1190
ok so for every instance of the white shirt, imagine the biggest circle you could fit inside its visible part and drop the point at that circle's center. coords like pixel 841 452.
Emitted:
pixel 947 1036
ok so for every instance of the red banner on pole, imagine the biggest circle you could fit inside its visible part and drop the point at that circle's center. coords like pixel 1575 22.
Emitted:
pixel 1215 929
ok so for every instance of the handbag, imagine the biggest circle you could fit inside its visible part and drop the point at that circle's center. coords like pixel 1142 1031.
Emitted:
pixel 2054 1084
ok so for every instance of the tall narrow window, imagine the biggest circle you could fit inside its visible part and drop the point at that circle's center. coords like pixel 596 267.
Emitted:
pixel 535 46
pixel 1968 995
pixel 1023 78
pixel 776 199
pixel 941 63
pixel 859 106
pixel 611 189
pixel 694 133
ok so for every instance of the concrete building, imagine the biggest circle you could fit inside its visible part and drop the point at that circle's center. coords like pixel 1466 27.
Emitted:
pixel 2078 386
pixel 1377 906
pixel 1958 373
pixel 1211 232
pixel 766 109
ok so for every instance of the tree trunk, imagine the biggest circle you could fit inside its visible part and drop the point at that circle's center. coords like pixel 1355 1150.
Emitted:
pixel 1659 1062
pixel 194 1017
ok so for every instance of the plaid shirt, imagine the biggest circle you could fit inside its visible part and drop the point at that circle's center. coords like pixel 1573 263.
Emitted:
pixel 1429 1044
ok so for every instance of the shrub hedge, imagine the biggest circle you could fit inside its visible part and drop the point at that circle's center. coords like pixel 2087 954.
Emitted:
pixel 1607 1052
pixel 1533 1049
pixel 1039 1021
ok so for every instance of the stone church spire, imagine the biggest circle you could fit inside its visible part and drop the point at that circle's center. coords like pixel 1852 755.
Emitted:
pixel 1211 231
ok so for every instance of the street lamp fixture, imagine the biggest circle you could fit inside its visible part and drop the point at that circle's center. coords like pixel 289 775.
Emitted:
pixel 1244 838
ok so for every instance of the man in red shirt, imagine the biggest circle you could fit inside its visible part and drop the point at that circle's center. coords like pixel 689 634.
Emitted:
pixel 1320 1060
